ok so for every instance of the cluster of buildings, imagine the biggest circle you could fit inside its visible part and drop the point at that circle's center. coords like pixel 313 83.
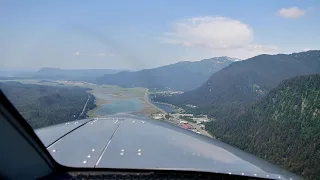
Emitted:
pixel 191 106
pixel 198 119
pixel 169 92
pixel 186 125
pixel 179 118
pixel 158 116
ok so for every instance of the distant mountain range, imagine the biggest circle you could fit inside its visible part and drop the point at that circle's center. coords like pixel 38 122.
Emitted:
pixel 283 128
pixel 73 74
pixel 248 80
pixel 13 72
pixel 179 76
pixel 58 74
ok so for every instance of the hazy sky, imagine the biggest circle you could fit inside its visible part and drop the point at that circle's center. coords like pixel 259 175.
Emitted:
pixel 135 34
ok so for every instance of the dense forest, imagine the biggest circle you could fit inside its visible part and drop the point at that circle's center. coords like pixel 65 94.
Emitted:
pixel 283 127
pixel 47 105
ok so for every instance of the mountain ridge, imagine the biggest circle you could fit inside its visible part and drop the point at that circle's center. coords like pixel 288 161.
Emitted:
pixel 183 75
pixel 249 80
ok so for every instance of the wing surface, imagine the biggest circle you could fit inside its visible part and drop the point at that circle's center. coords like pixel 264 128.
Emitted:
pixel 127 141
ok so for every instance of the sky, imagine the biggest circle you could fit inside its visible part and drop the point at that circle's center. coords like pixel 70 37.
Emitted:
pixel 125 34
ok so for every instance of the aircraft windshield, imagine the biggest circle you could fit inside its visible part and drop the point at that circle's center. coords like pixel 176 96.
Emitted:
pixel 218 86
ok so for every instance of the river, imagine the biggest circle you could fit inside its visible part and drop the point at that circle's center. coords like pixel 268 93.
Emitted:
pixel 131 105
pixel 165 107
pixel 126 100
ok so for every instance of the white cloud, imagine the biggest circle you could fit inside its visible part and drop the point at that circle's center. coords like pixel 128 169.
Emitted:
pixel 261 48
pixel 210 32
pixel 291 13
pixel 76 54
pixel 218 35
pixel 309 49
pixel 105 54
pixel 102 54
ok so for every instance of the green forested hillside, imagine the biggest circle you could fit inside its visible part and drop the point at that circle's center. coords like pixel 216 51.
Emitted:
pixel 47 105
pixel 283 128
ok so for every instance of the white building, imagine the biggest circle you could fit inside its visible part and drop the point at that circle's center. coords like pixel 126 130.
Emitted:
pixel 158 116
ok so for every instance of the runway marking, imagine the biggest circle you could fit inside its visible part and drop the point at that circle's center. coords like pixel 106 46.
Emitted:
pixel 116 121
pixel 105 148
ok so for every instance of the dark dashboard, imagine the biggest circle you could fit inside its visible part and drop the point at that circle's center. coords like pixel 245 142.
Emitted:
pixel 145 175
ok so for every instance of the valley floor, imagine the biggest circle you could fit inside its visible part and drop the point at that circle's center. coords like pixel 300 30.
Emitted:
pixel 107 100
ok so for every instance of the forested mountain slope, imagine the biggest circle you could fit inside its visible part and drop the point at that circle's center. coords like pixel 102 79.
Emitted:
pixel 179 76
pixel 249 80
pixel 283 128
pixel 47 105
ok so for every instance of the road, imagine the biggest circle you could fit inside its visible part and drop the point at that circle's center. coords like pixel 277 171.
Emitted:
pixel 84 107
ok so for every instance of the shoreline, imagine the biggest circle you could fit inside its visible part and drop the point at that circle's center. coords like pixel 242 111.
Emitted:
pixel 148 101
pixel 173 106
pixel 98 102
pixel 176 108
